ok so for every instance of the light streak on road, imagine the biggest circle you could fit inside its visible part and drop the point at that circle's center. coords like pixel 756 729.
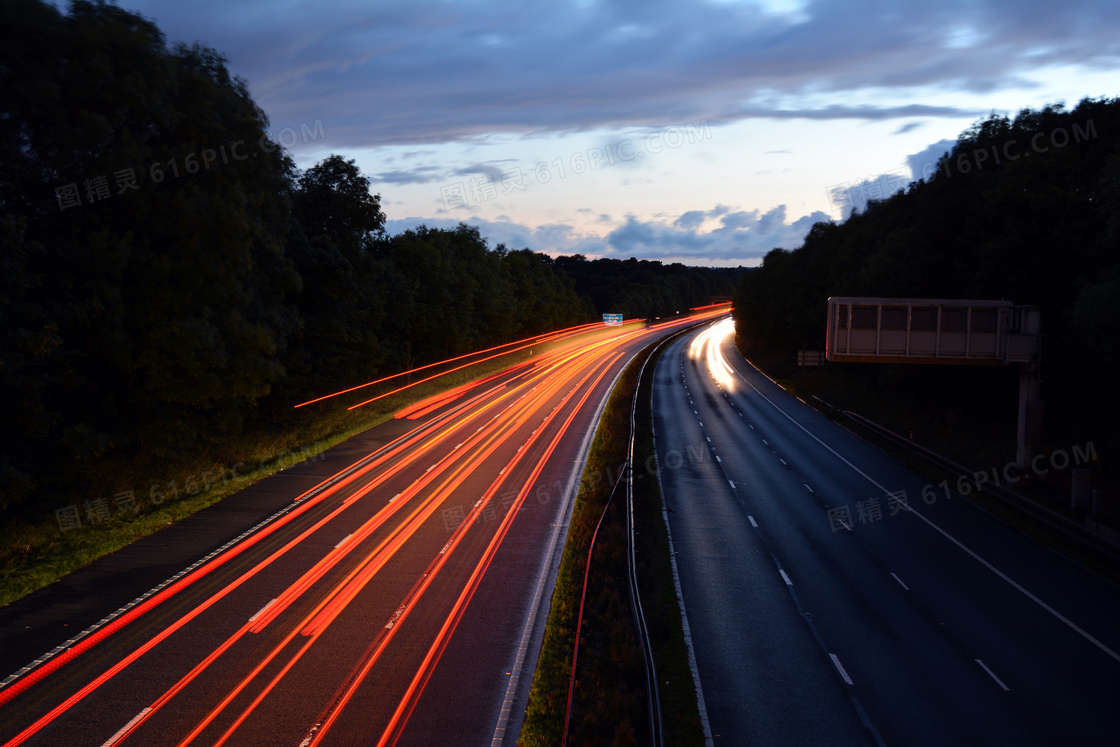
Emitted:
pixel 709 346
pixel 504 430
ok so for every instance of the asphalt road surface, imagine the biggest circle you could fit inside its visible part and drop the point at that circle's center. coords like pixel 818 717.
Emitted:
pixel 393 595
pixel 834 597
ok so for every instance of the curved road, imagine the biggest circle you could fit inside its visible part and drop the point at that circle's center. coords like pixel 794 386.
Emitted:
pixel 397 601
pixel 904 620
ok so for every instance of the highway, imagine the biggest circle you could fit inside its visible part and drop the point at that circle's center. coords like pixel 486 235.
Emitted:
pixel 832 600
pixel 398 601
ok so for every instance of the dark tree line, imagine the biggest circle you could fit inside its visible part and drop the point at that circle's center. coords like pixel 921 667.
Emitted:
pixel 1024 209
pixel 169 279
pixel 646 289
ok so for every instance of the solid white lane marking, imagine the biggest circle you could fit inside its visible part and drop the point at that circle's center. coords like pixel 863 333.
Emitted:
pixel 840 668
pixel 784 576
pixel 993 676
pixel 1069 623
pixel 753 522
pixel 899 580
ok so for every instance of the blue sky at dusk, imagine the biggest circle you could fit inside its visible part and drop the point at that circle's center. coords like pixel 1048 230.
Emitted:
pixel 704 132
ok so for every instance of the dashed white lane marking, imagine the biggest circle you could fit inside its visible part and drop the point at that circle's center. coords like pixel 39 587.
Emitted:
pixel 718 459
pixel 899 580
pixel 783 461
pixel 1014 584
pixel 262 609
pixel 336 546
pixel 784 576
pixel 993 676
pixel 808 488
pixel 124 729
pixel 753 522
pixel 765 442
pixel 840 668
pixel 732 484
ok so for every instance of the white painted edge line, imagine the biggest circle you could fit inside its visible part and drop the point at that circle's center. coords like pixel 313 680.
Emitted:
pixel 840 668
pixel 1069 623
pixel 784 576
pixel 124 729
pixel 753 522
pixel 993 676
pixel 899 580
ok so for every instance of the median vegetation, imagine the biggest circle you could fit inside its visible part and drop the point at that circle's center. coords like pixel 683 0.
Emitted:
pixel 609 698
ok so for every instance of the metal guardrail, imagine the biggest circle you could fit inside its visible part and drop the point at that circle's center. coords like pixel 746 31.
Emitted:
pixel 1064 527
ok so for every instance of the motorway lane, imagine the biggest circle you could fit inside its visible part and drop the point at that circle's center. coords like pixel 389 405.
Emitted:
pixel 390 605
pixel 950 627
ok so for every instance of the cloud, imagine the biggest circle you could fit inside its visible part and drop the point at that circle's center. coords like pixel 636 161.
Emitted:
pixel 923 164
pixel 741 237
pixel 844 197
pixel 417 175
pixel 908 127
pixel 426 71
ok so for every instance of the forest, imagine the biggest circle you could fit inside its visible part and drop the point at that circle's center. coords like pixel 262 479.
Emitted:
pixel 170 280
pixel 1025 209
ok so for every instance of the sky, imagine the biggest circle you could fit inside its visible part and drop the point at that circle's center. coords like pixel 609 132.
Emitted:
pixel 702 132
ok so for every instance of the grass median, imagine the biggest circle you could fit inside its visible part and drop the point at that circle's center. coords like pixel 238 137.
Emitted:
pixel 609 699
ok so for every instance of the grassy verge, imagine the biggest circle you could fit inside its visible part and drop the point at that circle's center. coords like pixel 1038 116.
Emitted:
pixel 37 551
pixel 609 703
